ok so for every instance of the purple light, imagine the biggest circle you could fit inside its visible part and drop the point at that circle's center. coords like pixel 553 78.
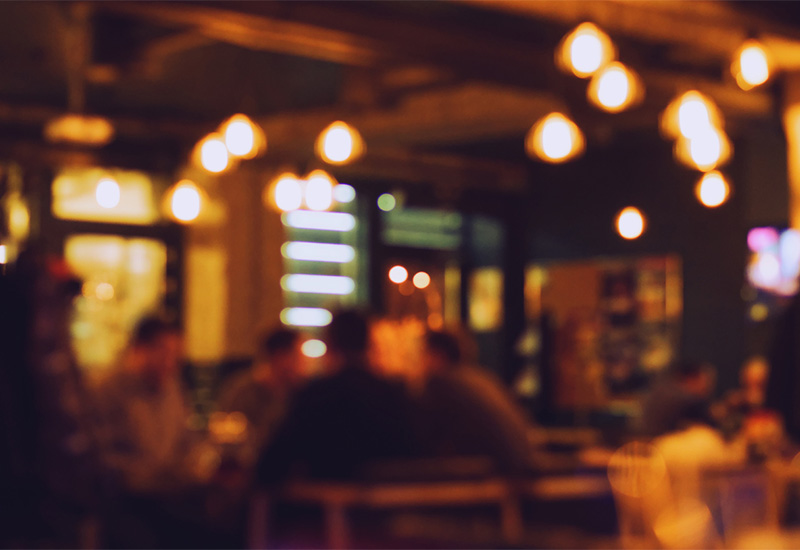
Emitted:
pixel 762 238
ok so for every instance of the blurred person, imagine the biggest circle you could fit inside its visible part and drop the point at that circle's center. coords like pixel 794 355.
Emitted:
pixel 465 410
pixel 261 393
pixel 343 420
pixel 144 414
pixel 687 384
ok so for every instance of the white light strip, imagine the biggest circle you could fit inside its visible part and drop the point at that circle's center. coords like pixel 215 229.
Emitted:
pixel 318 252
pixel 318 284
pixel 306 316
pixel 3 254
pixel 324 221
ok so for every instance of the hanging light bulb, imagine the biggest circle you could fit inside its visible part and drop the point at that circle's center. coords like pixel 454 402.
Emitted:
pixel 630 223
pixel 554 138
pixel 212 154
pixel 614 88
pixel 705 150
pixel 284 192
pixel 750 65
pixel 184 201
pixel 339 143
pixel 585 50
pixel 689 114
pixel 712 190
pixel 319 190
pixel 243 137
pixel 107 192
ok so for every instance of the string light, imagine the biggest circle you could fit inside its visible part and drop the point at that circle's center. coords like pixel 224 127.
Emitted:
pixel 243 137
pixel 398 274
pixel 750 65
pixel 614 88
pixel 339 143
pixel 285 192
pixel 107 193
pixel 630 223
pixel 585 50
pixel 554 138
pixel 319 190
pixel 185 200
pixel 214 153
pixel 712 190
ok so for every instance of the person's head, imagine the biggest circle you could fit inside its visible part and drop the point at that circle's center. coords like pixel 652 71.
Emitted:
pixel 442 352
pixel 155 349
pixel 348 338
pixel 280 349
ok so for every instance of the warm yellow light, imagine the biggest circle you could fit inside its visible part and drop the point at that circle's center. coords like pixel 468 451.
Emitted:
pixel 319 190
pixel 630 223
pixel 214 154
pixel 421 280
pixel 82 129
pixel 554 138
pixel 690 114
pixel 387 202
pixel 285 192
pixel 712 190
pixel 750 66
pixel 314 348
pixel 107 193
pixel 243 137
pixel 19 217
pixel 614 88
pixel 704 150
pixel 398 274
pixel 585 50
pixel 185 201
pixel 339 143
pixel 104 292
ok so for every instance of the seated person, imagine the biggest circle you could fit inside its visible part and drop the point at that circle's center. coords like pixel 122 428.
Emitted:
pixel 464 410
pixel 261 392
pixel 143 412
pixel 343 420
pixel 686 384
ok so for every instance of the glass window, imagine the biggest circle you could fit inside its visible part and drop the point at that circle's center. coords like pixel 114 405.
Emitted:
pixel 124 279
pixel 101 195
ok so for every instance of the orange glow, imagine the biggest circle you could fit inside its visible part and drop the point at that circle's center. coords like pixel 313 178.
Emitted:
pixel 398 274
pixel 712 190
pixel 615 88
pixel 554 138
pixel 284 192
pixel 750 65
pixel 585 50
pixel 185 201
pixel 421 280
pixel 319 190
pixel 213 153
pixel 705 150
pixel 630 223
pixel 690 114
pixel 83 129
pixel 243 137
pixel 339 143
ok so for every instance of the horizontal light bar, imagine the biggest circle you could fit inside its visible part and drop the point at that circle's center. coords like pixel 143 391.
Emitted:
pixel 318 252
pixel 318 284
pixel 323 221
pixel 306 316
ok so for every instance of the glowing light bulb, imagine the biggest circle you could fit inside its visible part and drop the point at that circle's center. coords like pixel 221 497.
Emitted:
pixel 398 274
pixel 555 138
pixel 319 190
pixel 214 154
pixel 107 193
pixel 339 143
pixel 104 292
pixel 287 192
pixel 344 193
pixel 186 201
pixel 387 202
pixel 3 254
pixel 705 150
pixel 712 190
pixel 751 65
pixel 314 348
pixel 585 50
pixel 630 223
pixel 421 280
pixel 693 115
pixel 614 88
pixel 243 137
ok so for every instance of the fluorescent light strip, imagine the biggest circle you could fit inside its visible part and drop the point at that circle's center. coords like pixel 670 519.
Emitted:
pixel 318 252
pixel 318 284
pixel 306 316
pixel 323 221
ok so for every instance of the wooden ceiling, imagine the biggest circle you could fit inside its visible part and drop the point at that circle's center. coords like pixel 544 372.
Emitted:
pixel 414 77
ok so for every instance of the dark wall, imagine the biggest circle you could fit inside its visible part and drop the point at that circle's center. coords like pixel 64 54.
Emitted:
pixel 572 209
